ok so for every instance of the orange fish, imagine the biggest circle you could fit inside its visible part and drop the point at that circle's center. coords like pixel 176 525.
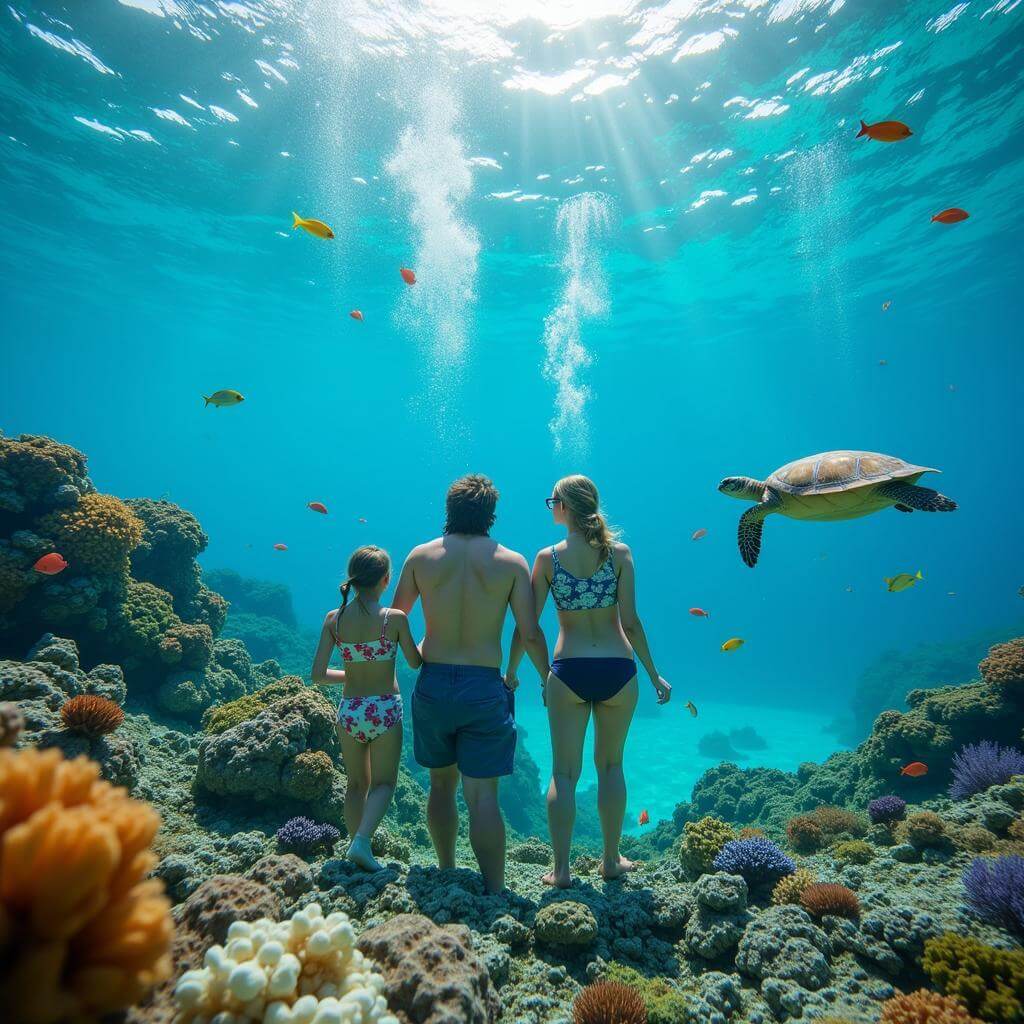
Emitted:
pixel 915 769
pixel 356 314
pixel 885 131
pixel 280 547
pixel 951 216
pixel 51 564
pixel 408 276
pixel 644 818
pixel 317 506
pixel 697 534
pixel 700 613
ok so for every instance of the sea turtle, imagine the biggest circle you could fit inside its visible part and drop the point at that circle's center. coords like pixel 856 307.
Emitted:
pixel 833 485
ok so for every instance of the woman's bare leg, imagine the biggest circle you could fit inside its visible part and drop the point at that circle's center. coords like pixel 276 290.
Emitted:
pixel 611 724
pixel 568 717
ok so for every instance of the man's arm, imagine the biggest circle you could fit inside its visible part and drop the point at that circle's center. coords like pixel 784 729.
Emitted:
pixel 524 611
pixel 407 590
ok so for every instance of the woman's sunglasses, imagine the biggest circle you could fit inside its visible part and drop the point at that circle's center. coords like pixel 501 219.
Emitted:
pixel 552 502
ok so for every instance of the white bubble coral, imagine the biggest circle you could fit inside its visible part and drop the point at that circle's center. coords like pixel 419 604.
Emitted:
pixel 305 970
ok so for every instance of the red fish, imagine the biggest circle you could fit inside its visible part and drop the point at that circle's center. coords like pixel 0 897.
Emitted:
pixel 885 131
pixel 697 534
pixel 644 818
pixel 700 613
pixel 951 216
pixel 280 547
pixel 51 564
pixel 915 769
pixel 408 276
pixel 317 506
pixel 356 314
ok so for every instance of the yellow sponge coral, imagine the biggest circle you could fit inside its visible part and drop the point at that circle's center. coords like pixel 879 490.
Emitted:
pixel 97 534
pixel 82 932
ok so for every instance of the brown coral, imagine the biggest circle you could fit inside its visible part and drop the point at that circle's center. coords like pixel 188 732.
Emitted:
pixel 827 898
pixel 835 821
pixel 749 832
pixel 922 830
pixel 83 932
pixel 609 1002
pixel 804 834
pixel 1004 665
pixel 91 715
pixel 924 1007
pixel 790 888
pixel 97 534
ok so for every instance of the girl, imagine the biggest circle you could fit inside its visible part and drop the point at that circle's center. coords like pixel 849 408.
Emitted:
pixel 591 577
pixel 370 714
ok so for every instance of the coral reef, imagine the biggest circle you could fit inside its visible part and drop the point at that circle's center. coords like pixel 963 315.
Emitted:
pixel 828 898
pixel 97 534
pixel 989 981
pixel 609 1002
pixel 924 1007
pixel 1004 665
pixel 82 931
pixel 994 890
pixel 91 715
pixel 431 975
pixel 979 766
pixel 923 830
pixel 306 968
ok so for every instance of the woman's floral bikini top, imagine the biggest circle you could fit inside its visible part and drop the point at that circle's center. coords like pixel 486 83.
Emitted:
pixel 572 594
pixel 381 649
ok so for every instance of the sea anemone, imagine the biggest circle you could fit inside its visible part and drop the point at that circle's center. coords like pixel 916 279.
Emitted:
pixel 995 890
pixel 1004 665
pixel 91 715
pixel 978 766
pixel 827 898
pixel 83 932
pixel 609 1002
pixel 759 861
pixel 886 809
pixel 804 834
pixel 924 1007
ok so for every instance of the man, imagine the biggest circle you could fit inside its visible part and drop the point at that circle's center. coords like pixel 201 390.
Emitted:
pixel 462 712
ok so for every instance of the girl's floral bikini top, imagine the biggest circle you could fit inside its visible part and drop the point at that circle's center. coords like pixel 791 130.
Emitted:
pixel 381 649
pixel 572 594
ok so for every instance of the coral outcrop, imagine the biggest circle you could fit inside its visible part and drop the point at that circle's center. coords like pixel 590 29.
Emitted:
pixel 989 981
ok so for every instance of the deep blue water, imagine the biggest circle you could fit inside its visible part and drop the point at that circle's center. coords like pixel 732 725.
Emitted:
pixel 649 248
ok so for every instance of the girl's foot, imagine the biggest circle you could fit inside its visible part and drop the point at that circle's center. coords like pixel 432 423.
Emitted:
pixel 615 869
pixel 359 853
pixel 559 881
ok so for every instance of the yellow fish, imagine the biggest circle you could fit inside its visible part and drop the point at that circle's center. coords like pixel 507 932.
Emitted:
pixel 223 397
pixel 691 707
pixel 902 581
pixel 314 227
pixel 732 645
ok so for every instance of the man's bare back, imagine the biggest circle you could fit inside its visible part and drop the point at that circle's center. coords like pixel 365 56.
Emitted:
pixel 466 584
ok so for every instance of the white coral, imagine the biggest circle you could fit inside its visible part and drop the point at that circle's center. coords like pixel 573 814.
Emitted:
pixel 305 970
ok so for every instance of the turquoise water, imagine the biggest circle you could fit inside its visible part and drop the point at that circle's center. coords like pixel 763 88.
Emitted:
pixel 648 246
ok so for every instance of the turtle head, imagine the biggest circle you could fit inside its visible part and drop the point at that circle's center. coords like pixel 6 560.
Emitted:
pixel 743 487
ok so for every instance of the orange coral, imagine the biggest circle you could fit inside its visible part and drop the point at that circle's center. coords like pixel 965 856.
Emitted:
pixel 924 1007
pixel 98 533
pixel 91 715
pixel 1004 665
pixel 609 1002
pixel 83 933
pixel 823 898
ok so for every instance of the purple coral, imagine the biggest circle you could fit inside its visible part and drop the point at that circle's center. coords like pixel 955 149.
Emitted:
pixel 758 860
pixel 887 809
pixel 995 890
pixel 306 836
pixel 980 765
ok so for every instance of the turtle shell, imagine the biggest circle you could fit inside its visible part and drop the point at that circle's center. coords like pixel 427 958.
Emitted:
pixel 841 471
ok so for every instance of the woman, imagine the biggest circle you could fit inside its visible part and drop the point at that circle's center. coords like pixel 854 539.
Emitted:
pixel 591 577
pixel 370 713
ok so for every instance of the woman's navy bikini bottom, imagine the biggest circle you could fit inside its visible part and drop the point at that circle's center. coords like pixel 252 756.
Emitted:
pixel 594 679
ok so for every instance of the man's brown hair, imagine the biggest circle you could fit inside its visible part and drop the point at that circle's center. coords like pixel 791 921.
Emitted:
pixel 469 507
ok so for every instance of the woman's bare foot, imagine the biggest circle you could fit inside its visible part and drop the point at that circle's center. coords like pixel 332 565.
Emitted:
pixel 559 881
pixel 617 870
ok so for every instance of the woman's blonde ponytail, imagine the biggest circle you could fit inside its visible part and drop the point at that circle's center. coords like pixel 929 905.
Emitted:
pixel 580 499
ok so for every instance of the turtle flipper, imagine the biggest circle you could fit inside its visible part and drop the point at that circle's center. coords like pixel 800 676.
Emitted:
pixel 751 522
pixel 923 499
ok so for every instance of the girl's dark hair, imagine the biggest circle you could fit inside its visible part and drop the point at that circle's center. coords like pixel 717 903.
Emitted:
pixel 367 566
pixel 469 507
